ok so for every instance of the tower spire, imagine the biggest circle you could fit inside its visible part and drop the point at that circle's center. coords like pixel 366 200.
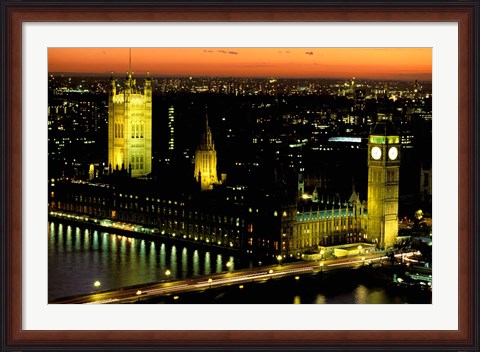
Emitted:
pixel 206 118
pixel 207 137
pixel 130 62
pixel 206 159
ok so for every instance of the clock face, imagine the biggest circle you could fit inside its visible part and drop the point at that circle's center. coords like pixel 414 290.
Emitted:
pixel 376 153
pixel 393 153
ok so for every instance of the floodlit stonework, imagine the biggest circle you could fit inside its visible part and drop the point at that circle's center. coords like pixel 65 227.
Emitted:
pixel 130 127
pixel 383 185
pixel 206 160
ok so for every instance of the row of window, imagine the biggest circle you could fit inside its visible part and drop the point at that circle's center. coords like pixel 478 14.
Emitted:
pixel 227 220
pixel 217 234
pixel 164 210
pixel 136 161
pixel 95 200
pixel 137 130
pixel 118 130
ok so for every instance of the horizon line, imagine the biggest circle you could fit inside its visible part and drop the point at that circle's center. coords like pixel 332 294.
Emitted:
pixel 145 74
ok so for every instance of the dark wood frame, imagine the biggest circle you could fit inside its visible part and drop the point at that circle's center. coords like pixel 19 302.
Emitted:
pixel 14 13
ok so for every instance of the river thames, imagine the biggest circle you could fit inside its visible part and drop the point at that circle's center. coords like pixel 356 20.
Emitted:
pixel 78 256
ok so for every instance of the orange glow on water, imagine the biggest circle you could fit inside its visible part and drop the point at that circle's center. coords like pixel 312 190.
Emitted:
pixel 377 63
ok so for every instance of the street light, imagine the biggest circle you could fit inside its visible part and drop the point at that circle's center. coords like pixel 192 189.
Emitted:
pixel 279 258
pixel 97 284
pixel 229 265
pixel 210 282
pixel 321 267
pixel 168 273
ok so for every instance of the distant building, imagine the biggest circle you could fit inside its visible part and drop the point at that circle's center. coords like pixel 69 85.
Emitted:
pixel 130 127
pixel 426 183
pixel 206 160
pixel 171 128
pixel 360 96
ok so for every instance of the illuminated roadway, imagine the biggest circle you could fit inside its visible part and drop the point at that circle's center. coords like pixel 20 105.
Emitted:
pixel 149 291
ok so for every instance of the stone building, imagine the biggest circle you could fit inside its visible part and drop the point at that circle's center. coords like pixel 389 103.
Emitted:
pixel 130 127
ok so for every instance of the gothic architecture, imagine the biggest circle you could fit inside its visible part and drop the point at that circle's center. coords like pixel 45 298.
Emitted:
pixel 383 185
pixel 206 160
pixel 130 127
pixel 233 216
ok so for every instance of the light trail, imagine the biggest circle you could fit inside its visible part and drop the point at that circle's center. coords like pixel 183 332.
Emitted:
pixel 219 280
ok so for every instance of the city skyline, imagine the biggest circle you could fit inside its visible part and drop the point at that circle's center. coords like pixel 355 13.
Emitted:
pixel 362 63
pixel 282 178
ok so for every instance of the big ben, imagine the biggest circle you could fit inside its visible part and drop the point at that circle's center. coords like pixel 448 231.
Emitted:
pixel 383 184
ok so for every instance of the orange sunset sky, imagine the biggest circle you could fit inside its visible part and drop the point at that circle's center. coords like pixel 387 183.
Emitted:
pixel 373 63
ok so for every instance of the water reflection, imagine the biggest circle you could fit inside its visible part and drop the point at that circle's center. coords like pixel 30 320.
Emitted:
pixel 219 263
pixel 77 257
pixel 361 293
pixel 196 263
pixel 184 263
pixel 173 261
pixel 207 263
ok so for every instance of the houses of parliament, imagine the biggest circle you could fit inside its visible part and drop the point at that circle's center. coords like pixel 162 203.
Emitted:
pixel 130 127
pixel 214 212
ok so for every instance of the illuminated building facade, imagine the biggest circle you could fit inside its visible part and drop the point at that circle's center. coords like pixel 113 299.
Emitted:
pixel 130 127
pixel 203 218
pixel 383 185
pixel 227 216
pixel 171 128
pixel 240 218
pixel 313 225
pixel 206 160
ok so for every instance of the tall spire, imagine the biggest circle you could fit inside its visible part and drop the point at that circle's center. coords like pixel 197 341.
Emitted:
pixel 206 119
pixel 207 140
pixel 130 63
pixel 206 159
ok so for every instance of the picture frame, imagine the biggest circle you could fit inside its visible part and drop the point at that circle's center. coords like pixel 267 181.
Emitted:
pixel 14 14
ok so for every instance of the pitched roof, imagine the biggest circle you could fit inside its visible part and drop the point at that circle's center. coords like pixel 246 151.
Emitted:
pixel 384 128
pixel 354 198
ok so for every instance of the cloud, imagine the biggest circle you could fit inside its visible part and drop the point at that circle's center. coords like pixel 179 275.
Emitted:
pixel 309 52
pixel 259 65
pixel 208 51
pixel 284 52
pixel 228 52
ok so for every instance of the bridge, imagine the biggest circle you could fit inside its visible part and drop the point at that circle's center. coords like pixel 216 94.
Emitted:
pixel 139 293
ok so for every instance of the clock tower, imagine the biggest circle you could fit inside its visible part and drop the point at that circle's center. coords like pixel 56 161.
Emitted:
pixel 383 184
